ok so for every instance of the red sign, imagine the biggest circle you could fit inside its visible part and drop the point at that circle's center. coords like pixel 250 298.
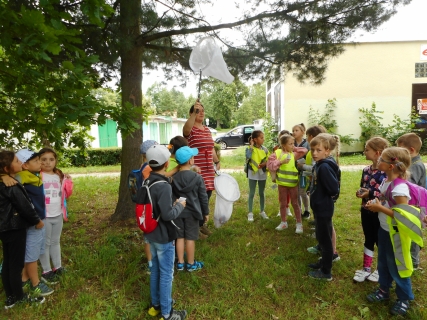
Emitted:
pixel 422 106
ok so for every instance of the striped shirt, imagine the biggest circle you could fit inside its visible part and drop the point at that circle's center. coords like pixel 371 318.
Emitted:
pixel 202 140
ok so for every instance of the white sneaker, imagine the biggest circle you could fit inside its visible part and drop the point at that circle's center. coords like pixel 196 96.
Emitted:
pixel 278 214
pixel 288 212
pixel 263 215
pixel 299 228
pixel 282 226
pixel 374 276
pixel 361 275
pixel 250 217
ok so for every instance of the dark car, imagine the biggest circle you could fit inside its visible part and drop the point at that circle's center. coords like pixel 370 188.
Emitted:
pixel 237 136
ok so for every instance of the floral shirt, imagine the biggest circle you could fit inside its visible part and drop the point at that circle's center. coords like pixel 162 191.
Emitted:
pixel 371 180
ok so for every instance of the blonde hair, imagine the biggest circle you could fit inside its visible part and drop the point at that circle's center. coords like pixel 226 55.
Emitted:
pixel 301 126
pixel 410 140
pixel 329 142
pixel 285 138
pixel 400 158
pixel 377 143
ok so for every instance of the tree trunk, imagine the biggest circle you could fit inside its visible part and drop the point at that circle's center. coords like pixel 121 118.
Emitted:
pixel 131 83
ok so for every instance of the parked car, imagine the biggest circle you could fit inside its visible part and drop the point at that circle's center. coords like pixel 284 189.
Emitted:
pixel 237 136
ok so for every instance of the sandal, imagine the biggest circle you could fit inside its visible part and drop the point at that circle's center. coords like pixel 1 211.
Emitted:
pixel 378 296
pixel 400 308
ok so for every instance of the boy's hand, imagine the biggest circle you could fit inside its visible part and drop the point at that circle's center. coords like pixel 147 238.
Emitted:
pixel 8 181
pixel 40 225
pixel 206 218
pixel 362 193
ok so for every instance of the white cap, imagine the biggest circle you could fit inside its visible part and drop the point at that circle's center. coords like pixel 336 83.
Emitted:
pixel 158 153
pixel 24 155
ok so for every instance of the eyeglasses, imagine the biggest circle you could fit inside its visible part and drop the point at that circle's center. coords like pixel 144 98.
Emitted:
pixel 382 160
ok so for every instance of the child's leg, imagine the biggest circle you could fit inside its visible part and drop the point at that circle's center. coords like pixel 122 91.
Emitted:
pixel 13 243
pixel 283 198
pixel 415 254
pixel 45 257
pixel 34 248
pixel 334 240
pixel 147 252
pixel 166 256
pixel 324 237
pixel 288 200
pixel 190 249
pixel 31 272
pixel 180 244
pixel 252 187
pixel 191 235
pixel 55 246
pixel 385 279
pixel 302 197
pixel 370 225
pixel 261 189
pixel 294 200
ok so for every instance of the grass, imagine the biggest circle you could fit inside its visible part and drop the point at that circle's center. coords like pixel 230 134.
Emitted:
pixel 251 271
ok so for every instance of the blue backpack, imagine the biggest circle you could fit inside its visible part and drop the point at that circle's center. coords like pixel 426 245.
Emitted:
pixel 135 181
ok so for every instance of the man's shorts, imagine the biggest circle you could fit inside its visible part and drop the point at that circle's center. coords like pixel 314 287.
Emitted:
pixel 35 244
pixel 188 228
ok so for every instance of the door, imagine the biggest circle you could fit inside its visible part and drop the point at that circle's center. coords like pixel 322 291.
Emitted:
pixel 108 134
pixel 419 95
pixel 235 137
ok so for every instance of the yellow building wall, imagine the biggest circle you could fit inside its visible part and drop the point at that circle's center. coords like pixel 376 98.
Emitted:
pixel 381 72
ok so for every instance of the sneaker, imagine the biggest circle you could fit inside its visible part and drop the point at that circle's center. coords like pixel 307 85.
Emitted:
pixel 50 278
pixel 250 217
pixel 361 275
pixel 315 250
pixel 374 276
pixel 299 228
pixel 29 300
pixel 9 303
pixel 204 229
pixel 40 290
pixel 319 275
pixel 180 266
pixel 335 257
pixel 263 215
pixel 197 265
pixel 278 214
pixel 288 212
pixel 306 214
pixel 317 265
pixel 400 308
pixel 175 315
pixel 26 285
pixel 202 236
pixel 378 296
pixel 60 271
pixel 282 226
pixel 155 310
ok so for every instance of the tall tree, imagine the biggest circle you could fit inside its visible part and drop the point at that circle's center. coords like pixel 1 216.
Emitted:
pixel 253 106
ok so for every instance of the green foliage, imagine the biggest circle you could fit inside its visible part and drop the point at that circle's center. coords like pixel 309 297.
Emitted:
pixel 169 102
pixel 270 131
pixel 92 157
pixel 252 107
pixel 327 120
pixel 371 125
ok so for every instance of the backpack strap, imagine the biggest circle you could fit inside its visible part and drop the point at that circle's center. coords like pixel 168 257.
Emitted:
pixel 391 186
pixel 149 194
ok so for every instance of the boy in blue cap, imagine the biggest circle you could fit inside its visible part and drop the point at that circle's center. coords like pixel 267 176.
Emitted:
pixel 190 185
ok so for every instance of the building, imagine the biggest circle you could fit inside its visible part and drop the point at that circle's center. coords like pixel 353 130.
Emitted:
pixel 393 75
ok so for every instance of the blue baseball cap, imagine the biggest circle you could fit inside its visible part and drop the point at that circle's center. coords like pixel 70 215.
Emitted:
pixel 147 144
pixel 185 153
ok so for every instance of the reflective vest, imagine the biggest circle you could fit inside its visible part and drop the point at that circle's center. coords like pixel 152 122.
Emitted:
pixel 258 154
pixel 404 228
pixel 309 158
pixel 287 174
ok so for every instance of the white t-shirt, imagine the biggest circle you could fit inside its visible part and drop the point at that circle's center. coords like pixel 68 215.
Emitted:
pixel 398 191
pixel 52 191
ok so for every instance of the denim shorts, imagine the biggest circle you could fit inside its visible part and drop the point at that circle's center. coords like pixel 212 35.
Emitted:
pixel 35 244
pixel 188 228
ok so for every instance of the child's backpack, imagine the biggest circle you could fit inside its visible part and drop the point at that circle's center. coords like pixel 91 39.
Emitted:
pixel 418 196
pixel 144 208
pixel 135 181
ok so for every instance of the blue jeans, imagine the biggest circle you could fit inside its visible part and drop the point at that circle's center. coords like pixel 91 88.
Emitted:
pixel 163 256
pixel 387 268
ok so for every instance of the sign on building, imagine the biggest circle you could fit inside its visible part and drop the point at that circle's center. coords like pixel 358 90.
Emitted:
pixel 422 106
pixel 423 52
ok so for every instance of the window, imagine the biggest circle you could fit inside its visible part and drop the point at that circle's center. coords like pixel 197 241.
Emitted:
pixel 421 70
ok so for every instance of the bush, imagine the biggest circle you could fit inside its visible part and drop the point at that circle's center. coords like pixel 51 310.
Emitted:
pixel 91 157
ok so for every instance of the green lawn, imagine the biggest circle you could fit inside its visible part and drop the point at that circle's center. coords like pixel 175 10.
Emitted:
pixel 251 270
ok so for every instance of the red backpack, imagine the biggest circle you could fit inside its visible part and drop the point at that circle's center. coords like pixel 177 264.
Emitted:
pixel 418 196
pixel 144 208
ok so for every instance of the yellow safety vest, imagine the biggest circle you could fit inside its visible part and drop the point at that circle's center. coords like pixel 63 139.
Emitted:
pixel 404 228
pixel 258 154
pixel 287 175
pixel 309 158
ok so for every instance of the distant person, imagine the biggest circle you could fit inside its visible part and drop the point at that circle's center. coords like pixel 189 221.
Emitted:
pixel 256 157
pixel 413 143
pixel 199 136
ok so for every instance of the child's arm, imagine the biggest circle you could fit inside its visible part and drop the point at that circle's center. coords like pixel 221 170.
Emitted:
pixel 203 198
pixel 24 207
pixel 376 206
pixel 68 186
pixel 8 180
pixel 168 211
pixel 172 172
pixel 328 179
pixel 299 152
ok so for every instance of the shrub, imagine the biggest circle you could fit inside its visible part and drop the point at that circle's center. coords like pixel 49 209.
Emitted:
pixel 91 157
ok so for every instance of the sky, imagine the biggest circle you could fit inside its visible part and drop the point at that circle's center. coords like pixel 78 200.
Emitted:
pixel 409 23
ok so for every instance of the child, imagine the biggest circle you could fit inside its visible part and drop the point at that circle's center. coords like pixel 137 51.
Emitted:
pixel 273 173
pixel 30 178
pixel 298 132
pixel 190 185
pixel 324 187
pixel 413 143
pixel 369 190
pixel 287 179
pixel 393 236
pixel 174 144
pixel 58 187
pixel 162 239
pixel 257 155
pixel 16 214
